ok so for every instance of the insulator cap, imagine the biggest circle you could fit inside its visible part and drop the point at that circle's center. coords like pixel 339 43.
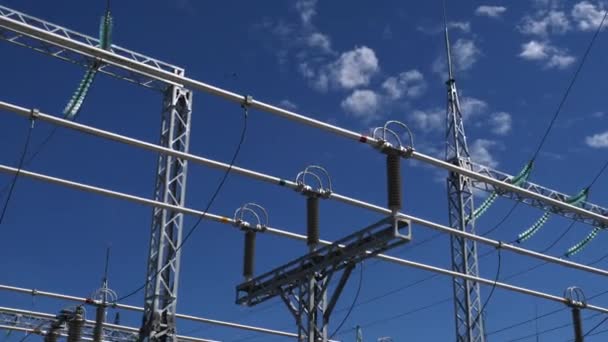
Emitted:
pixel 393 177
pixel 249 256
pixel 312 220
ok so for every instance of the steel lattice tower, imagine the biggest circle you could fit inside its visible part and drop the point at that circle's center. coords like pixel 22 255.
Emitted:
pixel 467 299
pixel 166 236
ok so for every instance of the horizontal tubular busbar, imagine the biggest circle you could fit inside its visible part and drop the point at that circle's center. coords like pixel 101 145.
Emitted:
pixel 266 178
pixel 133 65
pixel 89 301
pixel 302 237
pixel 89 323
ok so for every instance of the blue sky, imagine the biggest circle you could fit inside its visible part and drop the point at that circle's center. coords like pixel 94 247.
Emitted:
pixel 355 65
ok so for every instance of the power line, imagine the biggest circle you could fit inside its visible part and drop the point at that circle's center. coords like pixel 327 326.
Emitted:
pixel 483 307
pixel 19 167
pixel 209 203
pixel 548 330
pixel 350 310
pixel 570 85
pixel 595 327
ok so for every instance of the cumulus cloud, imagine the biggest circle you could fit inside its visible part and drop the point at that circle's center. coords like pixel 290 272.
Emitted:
pixel 587 16
pixel 501 123
pixel 352 69
pixel 362 104
pixel 481 153
pixel 429 120
pixel 409 84
pixel 545 23
pixel 465 54
pixel 470 106
pixel 320 41
pixel 306 9
pixel 552 56
pixel 490 11
pixel 598 140
pixel 464 26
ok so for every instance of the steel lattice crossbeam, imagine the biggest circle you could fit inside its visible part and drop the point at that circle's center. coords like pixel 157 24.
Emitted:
pixel 38 323
pixel 78 58
pixel 543 205
pixel 366 243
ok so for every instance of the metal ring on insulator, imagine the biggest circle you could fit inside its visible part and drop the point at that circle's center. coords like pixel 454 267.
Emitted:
pixel 575 296
pixel 255 210
pixel 322 177
pixel 389 138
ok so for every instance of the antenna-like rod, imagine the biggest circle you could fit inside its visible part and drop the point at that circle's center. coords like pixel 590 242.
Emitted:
pixel 447 41
pixel 105 272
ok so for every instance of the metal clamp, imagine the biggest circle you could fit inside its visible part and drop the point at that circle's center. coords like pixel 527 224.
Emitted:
pixel 256 211
pixel 576 297
pixel 396 146
pixel 322 190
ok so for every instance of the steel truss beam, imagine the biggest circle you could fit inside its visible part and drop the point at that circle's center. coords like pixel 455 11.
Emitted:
pixel 167 225
pixel 37 323
pixel 537 203
pixel 303 283
pixel 598 217
pixel 54 50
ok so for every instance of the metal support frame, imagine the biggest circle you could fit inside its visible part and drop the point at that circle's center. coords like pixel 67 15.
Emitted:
pixel 467 297
pixel 302 284
pixel 166 236
pixel 68 55
pixel 39 323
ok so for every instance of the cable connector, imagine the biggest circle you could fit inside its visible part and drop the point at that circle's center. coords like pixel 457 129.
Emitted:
pixel 575 297
pixel 322 178
pixel 254 210
pixel 34 114
pixel 389 140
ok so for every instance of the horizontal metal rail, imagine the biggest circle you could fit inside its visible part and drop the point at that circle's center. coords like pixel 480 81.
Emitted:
pixel 33 321
pixel 403 262
pixel 599 219
pixel 50 49
pixel 35 292
pixel 257 176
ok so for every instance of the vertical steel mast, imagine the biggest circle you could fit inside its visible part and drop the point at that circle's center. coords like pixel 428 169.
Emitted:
pixel 164 259
pixel 467 300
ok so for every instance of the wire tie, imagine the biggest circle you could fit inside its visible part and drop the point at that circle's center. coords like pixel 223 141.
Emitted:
pixel 34 114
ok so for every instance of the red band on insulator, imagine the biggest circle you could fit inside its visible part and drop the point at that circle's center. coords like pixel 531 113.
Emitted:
pixel 363 139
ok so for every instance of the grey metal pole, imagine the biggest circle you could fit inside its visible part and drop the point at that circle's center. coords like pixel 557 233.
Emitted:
pixel 578 325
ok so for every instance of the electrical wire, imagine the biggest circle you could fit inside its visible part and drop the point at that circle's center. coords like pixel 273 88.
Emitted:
pixel 595 327
pixel 548 330
pixel 483 307
pixel 569 88
pixel 19 167
pixel 208 206
pixel 352 307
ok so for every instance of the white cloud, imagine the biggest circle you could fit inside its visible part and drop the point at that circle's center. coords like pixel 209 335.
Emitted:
pixel 490 11
pixel 533 50
pixel 560 61
pixel 501 123
pixel 464 26
pixel 409 83
pixel 545 23
pixel 307 10
pixel 429 120
pixel 598 140
pixel 352 69
pixel 363 104
pixel 320 41
pixel 288 104
pixel 544 51
pixel 470 106
pixel 465 54
pixel 587 16
pixel 480 151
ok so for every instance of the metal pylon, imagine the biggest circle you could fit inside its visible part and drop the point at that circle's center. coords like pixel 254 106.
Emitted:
pixel 166 236
pixel 467 300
